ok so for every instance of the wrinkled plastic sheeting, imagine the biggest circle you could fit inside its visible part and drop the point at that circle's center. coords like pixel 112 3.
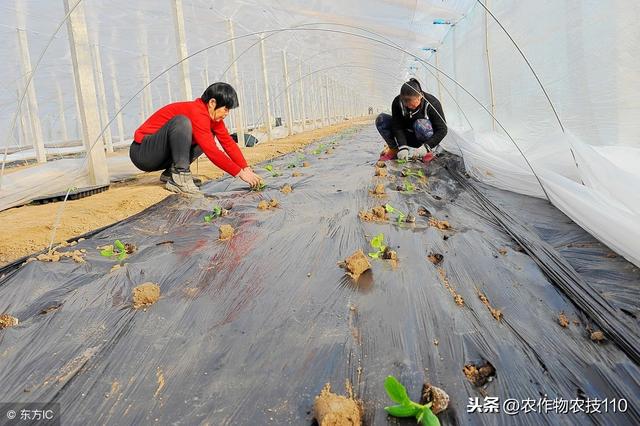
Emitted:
pixel 599 193
pixel 249 330
pixel 23 186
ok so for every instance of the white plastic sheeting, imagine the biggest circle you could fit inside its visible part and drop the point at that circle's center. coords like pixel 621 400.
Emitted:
pixel 584 55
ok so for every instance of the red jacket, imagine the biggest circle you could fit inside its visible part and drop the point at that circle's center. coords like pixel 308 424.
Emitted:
pixel 204 129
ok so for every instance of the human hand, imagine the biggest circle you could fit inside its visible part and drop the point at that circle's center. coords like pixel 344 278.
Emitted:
pixel 403 153
pixel 250 177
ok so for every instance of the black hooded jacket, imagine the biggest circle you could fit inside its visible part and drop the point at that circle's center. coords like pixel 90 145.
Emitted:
pixel 403 119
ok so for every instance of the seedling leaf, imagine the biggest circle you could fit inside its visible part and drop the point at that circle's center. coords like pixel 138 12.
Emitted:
pixel 402 410
pixel 208 218
pixel 377 241
pixel 396 391
pixel 269 168
pixel 428 418
pixel 108 252
pixel 118 244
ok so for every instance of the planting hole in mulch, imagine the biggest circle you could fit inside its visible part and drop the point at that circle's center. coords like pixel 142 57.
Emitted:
pixel 479 373
pixel 563 320
pixel 435 258
pixel 377 214
pixel 286 189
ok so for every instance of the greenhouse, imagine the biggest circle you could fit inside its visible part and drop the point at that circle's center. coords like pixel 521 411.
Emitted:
pixel 304 212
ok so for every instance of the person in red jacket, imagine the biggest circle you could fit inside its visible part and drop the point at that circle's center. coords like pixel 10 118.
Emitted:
pixel 178 133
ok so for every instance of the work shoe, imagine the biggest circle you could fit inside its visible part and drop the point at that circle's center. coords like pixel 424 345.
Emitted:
pixel 181 182
pixel 166 176
pixel 388 154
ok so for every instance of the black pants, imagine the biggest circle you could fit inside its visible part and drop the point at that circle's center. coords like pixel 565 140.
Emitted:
pixel 169 146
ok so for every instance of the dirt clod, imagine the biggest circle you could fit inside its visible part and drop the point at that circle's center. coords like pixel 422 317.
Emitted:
pixel 479 374
pixel 286 189
pixel 381 164
pixel 436 396
pixel 129 248
pixel 457 298
pixel 502 251
pixel 226 232
pixel 597 336
pixel 496 313
pixel 378 190
pixel 423 212
pixel 563 320
pixel 268 205
pixel 435 258
pixel 296 174
pixel 440 224
pixel 7 321
pixel 306 164
pixel 356 264
pixel 145 294
pixel 378 213
pixel 381 172
pixel 330 409
pixel 410 218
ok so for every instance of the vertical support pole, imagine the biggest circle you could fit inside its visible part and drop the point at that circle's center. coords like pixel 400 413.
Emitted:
pixel 169 95
pixel 301 96
pixel 265 80
pixel 486 45
pixel 326 99
pixel 287 93
pixel 62 114
pixel 238 112
pixel 117 103
pixel 102 98
pixel 181 44
pixel 24 129
pixel 146 94
pixel 438 75
pixel 86 92
pixel 32 103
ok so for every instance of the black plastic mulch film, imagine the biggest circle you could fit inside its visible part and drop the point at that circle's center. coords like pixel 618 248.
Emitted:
pixel 247 331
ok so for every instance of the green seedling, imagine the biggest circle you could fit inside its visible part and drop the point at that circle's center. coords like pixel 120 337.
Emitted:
pixel 270 169
pixel 216 211
pixel 401 161
pixel 259 188
pixel 318 150
pixel 401 216
pixel 405 407
pixel 117 249
pixel 408 186
pixel 292 166
pixel 409 172
pixel 377 243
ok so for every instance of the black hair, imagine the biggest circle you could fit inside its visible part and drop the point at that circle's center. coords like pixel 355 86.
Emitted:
pixel 224 94
pixel 411 89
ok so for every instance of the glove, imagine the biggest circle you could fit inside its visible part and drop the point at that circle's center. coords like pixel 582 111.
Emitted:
pixel 428 157
pixel 418 153
pixel 403 153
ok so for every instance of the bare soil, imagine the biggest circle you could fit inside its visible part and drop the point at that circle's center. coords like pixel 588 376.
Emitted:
pixel 28 229
pixel 597 336
pixel 378 190
pixel 381 172
pixel 435 258
pixel 226 232
pixel 479 374
pixel 286 189
pixel 440 224
pixel 356 264
pixel 268 205
pixel 563 320
pixel 377 214
pixel 145 295
pixel 7 321
pixel 496 313
pixel 457 298
pixel 330 409
pixel 436 396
